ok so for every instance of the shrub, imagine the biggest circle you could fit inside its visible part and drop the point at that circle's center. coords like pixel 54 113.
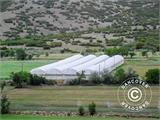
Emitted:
pixel 2 85
pixel 36 80
pixel 74 82
pixel 152 76
pixel 20 78
pixel 30 57
pixel 92 108
pixel 107 78
pixel 81 110
pixel 4 105
pixel 119 75
pixel 95 78
pixel 131 53
pixel 49 82
pixel 20 54
pixel 131 74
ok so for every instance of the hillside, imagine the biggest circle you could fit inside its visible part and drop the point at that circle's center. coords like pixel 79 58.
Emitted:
pixel 20 18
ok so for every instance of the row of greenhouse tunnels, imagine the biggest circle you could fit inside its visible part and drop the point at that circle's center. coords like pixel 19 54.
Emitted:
pixel 67 69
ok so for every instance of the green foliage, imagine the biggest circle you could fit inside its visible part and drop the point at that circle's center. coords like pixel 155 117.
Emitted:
pixel 7 53
pixel 152 76
pixel 131 53
pixel 95 78
pixel 131 74
pixel 55 44
pixel 46 54
pixel 4 104
pixel 20 79
pixel 107 78
pixel 147 40
pixel 80 77
pixel 120 75
pixel 81 110
pixel 145 53
pixel 4 4
pixel 92 108
pixel 91 50
pixel 114 51
pixel 114 42
pixel 2 85
pixel 21 54
pixel 36 80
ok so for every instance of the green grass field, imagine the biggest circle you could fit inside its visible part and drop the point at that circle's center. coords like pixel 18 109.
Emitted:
pixel 15 66
pixel 22 117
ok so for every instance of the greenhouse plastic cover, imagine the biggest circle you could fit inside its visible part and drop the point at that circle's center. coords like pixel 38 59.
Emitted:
pixel 108 65
pixel 59 69
pixel 42 70
pixel 83 67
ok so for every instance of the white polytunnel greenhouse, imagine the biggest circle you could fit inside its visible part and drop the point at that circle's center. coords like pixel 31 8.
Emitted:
pixel 108 65
pixel 83 67
pixel 68 68
pixel 59 69
pixel 43 69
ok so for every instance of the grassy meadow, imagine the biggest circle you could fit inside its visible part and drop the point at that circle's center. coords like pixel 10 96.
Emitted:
pixel 68 98
pixel 22 117
pixel 7 67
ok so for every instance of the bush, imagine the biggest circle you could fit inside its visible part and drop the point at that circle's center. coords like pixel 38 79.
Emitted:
pixel 36 80
pixel 119 75
pixel 49 82
pixel 92 108
pixel 131 74
pixel 107 78
pixel 4 105
pixel 95 78
pixel 74 82
pixel 20 54
pixel 20 79
pixel 152 76
pixel 114 51
pixel 81 110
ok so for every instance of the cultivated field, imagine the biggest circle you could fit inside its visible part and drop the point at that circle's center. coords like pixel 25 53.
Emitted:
pixel 15 117
pixel 68 98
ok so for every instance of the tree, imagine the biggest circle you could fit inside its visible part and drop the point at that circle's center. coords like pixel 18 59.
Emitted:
pixel 30 57
pixel 21 54
pixel 145 53
pixel 20 79
pixel 124 51
pixel 112 51
pixel 120 75
pixel 152 76
pixel 132 54
pixel 4 100
pixel 81 110
pixel 92 108
pixel 4 104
